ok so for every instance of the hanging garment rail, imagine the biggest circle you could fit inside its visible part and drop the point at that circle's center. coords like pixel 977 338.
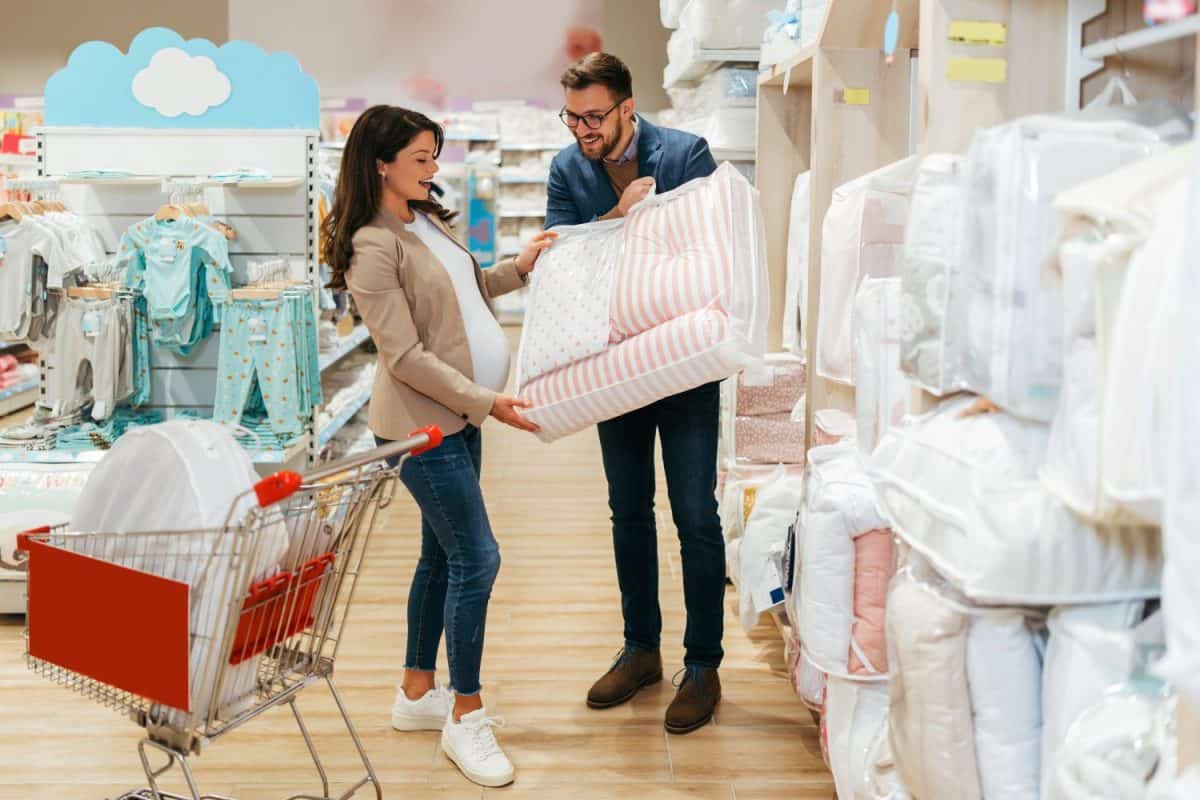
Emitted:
pixel 1147 37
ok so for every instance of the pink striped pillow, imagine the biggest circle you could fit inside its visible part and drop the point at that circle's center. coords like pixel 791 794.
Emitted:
pixel 679 253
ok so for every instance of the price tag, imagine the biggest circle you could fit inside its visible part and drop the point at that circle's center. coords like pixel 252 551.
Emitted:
pixel 979 33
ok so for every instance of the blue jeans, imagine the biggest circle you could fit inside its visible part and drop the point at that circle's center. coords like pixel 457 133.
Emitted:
pixel 458 563
pixel 688 424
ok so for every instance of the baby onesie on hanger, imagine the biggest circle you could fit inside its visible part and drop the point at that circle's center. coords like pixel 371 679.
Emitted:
pixel 21 244
pixel 98 333
pixel 181 266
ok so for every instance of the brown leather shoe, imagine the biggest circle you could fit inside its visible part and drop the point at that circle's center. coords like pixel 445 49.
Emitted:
pixel 694 703
pixel 632 670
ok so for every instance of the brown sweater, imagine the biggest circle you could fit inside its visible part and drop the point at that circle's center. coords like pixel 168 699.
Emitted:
pixel 620 176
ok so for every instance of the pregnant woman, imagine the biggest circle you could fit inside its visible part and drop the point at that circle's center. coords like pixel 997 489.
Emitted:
pixel 443 360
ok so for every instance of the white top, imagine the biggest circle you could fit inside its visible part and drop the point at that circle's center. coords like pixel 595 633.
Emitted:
pixel 489 345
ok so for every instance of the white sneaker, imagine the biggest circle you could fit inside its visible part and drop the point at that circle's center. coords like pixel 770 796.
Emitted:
pixel 473 748
pixel 426 714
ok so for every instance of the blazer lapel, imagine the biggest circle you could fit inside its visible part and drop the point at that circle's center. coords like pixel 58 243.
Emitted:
pixel 649 149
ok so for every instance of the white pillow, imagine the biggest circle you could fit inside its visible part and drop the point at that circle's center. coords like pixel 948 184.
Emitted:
pixel 855 717
pixel 839 505
pixel 775 509
pixel 1004 673
pixel 1085 656
pixel 931 730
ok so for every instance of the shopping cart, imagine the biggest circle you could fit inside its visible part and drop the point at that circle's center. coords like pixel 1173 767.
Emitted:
pixel 194 633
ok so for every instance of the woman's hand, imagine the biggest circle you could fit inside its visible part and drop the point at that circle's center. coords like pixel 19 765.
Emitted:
pixel 530 252
pixel 505 410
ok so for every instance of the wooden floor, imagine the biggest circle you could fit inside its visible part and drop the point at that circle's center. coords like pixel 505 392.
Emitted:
pixel 554 626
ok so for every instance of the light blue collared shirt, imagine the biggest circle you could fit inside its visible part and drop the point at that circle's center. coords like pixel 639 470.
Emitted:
pixel 631 151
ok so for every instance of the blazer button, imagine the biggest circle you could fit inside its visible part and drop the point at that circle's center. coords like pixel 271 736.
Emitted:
pixel 466 416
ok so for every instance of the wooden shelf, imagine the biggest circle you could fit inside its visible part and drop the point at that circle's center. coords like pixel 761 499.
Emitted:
pixel 799 66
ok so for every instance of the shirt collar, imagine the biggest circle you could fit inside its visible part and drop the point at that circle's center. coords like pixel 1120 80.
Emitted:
pixel 631 151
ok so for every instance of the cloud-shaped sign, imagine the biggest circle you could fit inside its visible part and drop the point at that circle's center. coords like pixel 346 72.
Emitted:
pixel 167 82
pixel 176 83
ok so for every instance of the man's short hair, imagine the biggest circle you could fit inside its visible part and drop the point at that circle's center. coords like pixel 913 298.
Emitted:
pixel 600 68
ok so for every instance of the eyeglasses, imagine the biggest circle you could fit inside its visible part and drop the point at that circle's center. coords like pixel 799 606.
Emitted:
pixel 590 121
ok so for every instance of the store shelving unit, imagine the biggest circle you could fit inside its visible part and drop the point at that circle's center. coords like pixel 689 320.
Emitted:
pixel 17 397
pixel 345 346
pixel 708 60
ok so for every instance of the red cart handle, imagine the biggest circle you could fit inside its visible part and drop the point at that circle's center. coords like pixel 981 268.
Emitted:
pixel 435 438
pixel 277 487
pixel 24 537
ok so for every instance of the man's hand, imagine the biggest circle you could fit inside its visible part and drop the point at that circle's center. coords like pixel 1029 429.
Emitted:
pixel 635 193
pixel 505 410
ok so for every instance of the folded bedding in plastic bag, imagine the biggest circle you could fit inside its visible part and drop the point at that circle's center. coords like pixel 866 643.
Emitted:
pixel 795 309
pixel 930 725
pixel 688 306
pixel 1087 653
pixel 846 564
pixel 961 489
pixel 1108 226
pixel 761 583
pixel 855 731
pixel 862 236
pixel 883 394
pixel 1011 299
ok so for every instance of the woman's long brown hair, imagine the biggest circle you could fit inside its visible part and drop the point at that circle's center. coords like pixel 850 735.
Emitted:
pixel 380 133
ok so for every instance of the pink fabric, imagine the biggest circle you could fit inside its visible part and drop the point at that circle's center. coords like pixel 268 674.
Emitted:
pixel 8 364
pixel 778 397
pixel 676 259
pixel 674 357
pixel 772 439
pixel 874 566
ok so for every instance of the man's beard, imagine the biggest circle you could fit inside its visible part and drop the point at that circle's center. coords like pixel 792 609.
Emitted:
pixel 607 151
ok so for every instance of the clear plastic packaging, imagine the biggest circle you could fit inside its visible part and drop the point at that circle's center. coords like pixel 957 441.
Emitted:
pixel 862 237
pixel 1114 747
pixel 843 582
pixel 883 395
pixel 566 319
pixel 832 425
pixel 726 24
pixel 962 490
pixel 669 11
pixel 795 309
pixel 929 323
pixel 776 505
pixel 1011 301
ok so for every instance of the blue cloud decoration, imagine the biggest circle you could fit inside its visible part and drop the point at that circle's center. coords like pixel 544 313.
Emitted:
pixel 95 89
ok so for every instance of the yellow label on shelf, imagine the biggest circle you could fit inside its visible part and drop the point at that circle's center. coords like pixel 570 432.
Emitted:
pixel 856 97
pixel 978 70
pixel 969 32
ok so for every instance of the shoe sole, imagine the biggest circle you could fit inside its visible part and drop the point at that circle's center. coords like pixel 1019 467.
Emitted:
pixel 480 780
pixel 409 724
pixel 653 679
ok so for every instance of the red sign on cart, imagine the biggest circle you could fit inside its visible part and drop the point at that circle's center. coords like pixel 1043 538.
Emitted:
pixel 113 624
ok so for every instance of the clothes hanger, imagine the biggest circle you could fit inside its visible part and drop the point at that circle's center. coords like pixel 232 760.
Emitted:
pixel 169 213
pixel 1118 85
pixel 11 211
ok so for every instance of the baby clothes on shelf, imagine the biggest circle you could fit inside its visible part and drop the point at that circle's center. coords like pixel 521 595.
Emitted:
pixel 96 337
pixel 182 267
pixel 271 344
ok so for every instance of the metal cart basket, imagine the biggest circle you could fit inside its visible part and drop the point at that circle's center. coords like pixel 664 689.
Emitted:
pixel 194 633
